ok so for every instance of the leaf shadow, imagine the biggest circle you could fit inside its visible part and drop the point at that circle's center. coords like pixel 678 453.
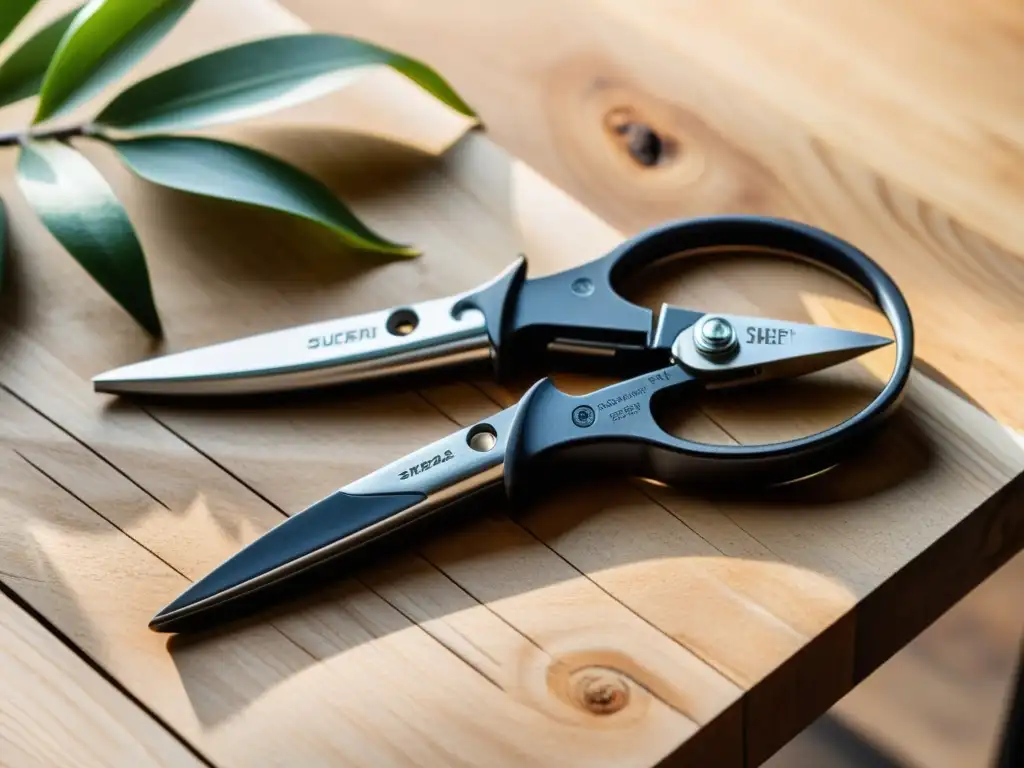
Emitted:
pixel 36 577
pixel 323 624
pixel 573 517
pixel 319 603
pixel 242 237
pixel 324 613
pixel 358 167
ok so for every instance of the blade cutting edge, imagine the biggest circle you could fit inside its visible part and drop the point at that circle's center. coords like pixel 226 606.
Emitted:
pixel 727 346
pixel 429 480
pixel 376 344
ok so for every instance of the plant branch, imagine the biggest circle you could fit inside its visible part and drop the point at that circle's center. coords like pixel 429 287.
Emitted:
pixel 60 134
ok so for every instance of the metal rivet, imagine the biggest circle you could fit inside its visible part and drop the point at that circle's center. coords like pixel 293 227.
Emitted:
pixel 582 286
pixel 583 416
pixel 715 337
pixel 402 322
pixel 482 438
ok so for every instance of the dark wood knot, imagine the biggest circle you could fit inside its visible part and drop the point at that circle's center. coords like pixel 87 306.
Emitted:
pixel 600 691
pixel 642 142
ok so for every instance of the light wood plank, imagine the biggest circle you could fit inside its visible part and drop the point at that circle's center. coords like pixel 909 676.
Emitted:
pixel 547 91
pixel 942 702
pixel 618 595
pixel 281 679
pixel 163 472
pixel 57 711
pixel 904 78
pixel 940 69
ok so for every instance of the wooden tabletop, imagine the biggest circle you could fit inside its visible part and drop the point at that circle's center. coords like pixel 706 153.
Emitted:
pixel 619 623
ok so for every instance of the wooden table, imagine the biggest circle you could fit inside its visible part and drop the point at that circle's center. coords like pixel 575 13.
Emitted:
pixel 619 624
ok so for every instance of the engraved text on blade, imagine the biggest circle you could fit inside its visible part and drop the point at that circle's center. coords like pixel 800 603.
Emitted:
pixel 342 337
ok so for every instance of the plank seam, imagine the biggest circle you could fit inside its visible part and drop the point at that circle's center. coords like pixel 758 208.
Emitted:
pixel 18 577
pixel 93 509
pixel 647 494
pixel 127 477
pixel 213 461
pixel 500 618
pixel 558 554
pixel 362 583
pixel 643 491
pixel 451 650
pixel 440 410
pixel 296 643
pixel 65 640
pixel 710 662
pixel 80 442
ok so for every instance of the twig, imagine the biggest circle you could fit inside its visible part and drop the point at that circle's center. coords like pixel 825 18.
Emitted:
pixel 17 137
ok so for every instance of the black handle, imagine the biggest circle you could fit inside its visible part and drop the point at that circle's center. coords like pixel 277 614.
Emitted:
pixel 615 431
pixel 616 426
pixel 582 305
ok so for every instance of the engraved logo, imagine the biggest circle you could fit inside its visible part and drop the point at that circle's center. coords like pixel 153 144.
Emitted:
pixel 757 335
pixel 423 466
pixel 625 413
pixel 341 337
pixel 611 402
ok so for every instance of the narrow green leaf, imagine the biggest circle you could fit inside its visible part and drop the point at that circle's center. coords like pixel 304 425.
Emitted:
pixel 232 172
pixel 79 208
pixel 22 73
pixel 11 14
pixel 256 78
pixel 103 42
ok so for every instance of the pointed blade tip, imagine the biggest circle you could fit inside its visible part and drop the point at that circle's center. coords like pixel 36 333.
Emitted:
pixel 103 384
pixel 839 354
pixel 872 342
pixel 109 381
pixel 162 621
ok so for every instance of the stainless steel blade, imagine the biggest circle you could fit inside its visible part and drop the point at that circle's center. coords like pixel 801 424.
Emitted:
pixel 735 348
pixel 444 473
pixel 396 340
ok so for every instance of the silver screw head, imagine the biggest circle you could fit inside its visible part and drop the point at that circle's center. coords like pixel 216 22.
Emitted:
pixel 715 337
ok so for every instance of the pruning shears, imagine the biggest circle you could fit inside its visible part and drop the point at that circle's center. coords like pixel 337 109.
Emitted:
pixel 512 320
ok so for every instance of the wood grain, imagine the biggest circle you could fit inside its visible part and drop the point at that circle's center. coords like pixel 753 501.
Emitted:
pixel 56 710
pixel 132 467
pixel 221 692
pixel 942 702
pixel 894 124
pixel 620 623
pixel 748 127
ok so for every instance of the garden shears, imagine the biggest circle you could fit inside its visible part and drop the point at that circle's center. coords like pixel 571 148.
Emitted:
pixel 512 320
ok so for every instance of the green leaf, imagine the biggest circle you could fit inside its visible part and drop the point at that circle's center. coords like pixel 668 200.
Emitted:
pixel 227 171
pixel 79 208
pixel 22 73
pixel 103 42
pixel 256 78
pixel 11 14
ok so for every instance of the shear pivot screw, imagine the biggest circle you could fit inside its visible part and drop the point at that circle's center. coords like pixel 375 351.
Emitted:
pixel 583 416
pixel 582 286
pixel 715 337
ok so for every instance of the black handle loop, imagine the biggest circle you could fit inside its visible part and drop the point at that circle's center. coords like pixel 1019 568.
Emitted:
pixel 637 443
pixel 582 304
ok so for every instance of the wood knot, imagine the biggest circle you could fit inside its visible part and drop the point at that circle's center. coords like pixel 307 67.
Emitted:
pixel 599 691
pixel 644 144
